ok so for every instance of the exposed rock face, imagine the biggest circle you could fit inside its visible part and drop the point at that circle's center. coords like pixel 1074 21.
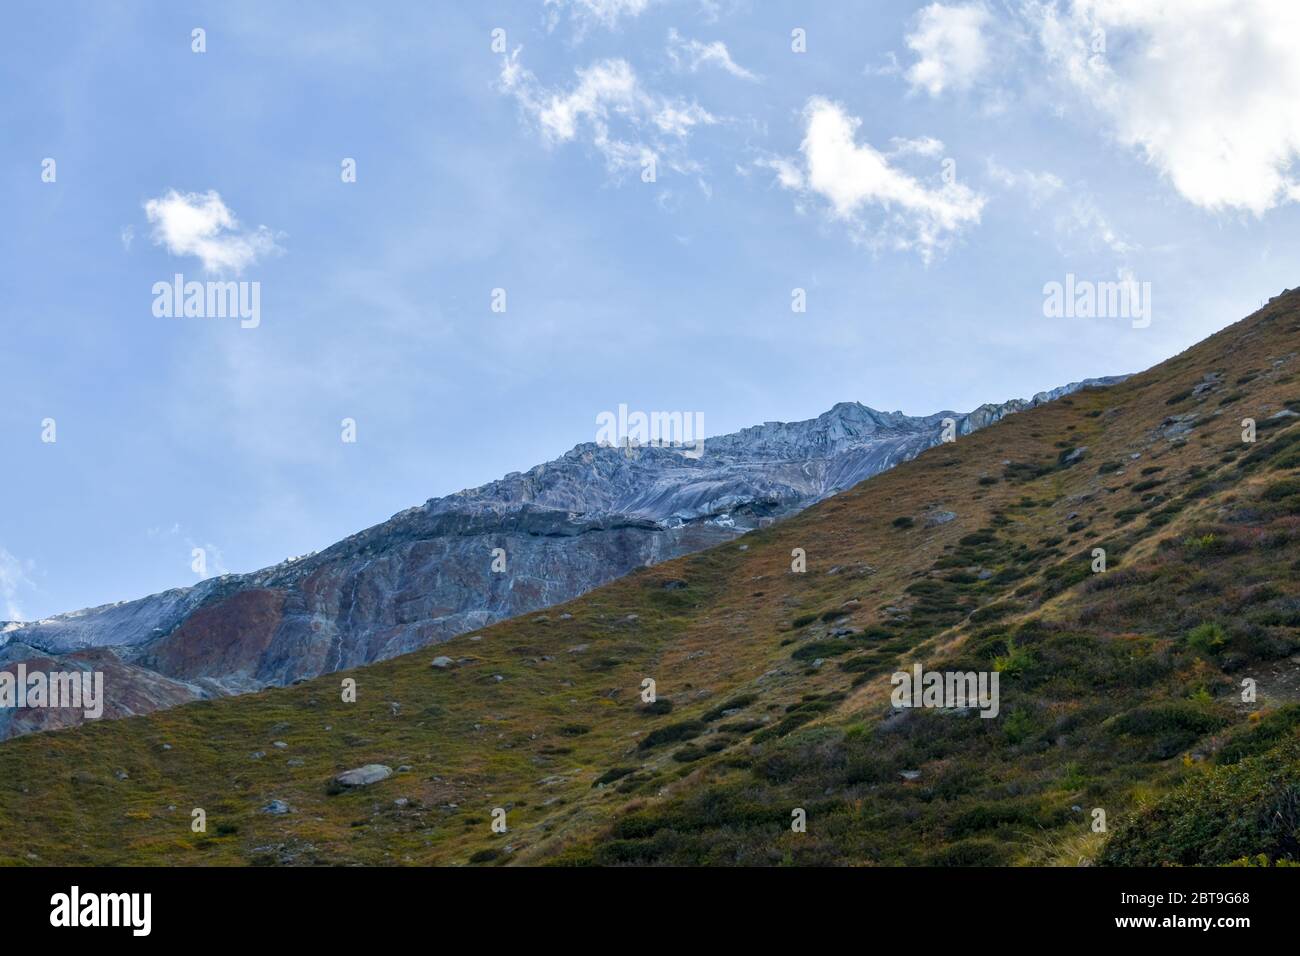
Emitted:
pixel 426 574
pixel 128 689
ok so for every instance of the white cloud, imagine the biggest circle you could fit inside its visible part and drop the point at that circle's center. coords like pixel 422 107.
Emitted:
pixel 13 579
pixel 201 225
pixel 951 47
pixel 692 54
pixel 788 173
pixel 606 13
pixel 1205 90
pixel 856 180
pixel 921 146
pixel 610 108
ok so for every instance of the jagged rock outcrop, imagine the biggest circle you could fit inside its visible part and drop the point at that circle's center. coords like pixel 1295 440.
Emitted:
pixel 426 574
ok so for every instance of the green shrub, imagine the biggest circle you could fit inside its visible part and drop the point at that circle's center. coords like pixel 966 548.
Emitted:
pixel 735 703
pixel 1014 662
pixel 671 734
pixel 1271 729
pixel 1182 716
pixel 1018 726
pixel 1218 818
pixel 1206 638
pixel 614 773
pixel 1281 489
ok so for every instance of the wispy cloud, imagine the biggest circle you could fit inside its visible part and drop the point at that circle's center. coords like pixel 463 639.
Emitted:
pixel 1075 211
pixel 201 225
pixel 879 202
pixel 213 559
pixel 609 108
pixel 587 13
pixel 689 54
pixel 1037 187
pixel 13 580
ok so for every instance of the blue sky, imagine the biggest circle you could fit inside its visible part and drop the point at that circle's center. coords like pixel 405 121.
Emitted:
pixel 920 170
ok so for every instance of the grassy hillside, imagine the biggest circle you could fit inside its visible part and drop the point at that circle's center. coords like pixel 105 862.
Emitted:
pixel 1120 690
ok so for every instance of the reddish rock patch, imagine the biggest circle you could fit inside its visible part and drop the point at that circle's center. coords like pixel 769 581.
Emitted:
pixel 228 637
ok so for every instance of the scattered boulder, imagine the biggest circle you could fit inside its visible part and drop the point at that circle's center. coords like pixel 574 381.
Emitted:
pixel 277 808
pixel 442 662
pixel 364 776
pixel 1211 381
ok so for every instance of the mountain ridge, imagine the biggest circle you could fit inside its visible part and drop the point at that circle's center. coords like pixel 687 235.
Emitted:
pixel 423 575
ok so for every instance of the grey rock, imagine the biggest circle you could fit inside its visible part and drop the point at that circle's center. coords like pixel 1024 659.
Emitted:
pixel 364 776
pixel 442 662
pixel 277 808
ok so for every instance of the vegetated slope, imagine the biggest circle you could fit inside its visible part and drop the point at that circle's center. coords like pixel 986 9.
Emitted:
pixel 1119 690
pixel 431 572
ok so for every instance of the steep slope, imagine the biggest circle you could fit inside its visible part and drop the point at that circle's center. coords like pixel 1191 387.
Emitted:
pixel 428 573
pixel 1120 689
